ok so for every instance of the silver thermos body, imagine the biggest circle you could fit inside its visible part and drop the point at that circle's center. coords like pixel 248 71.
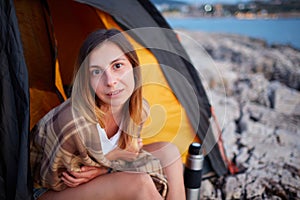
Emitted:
pixel 193 172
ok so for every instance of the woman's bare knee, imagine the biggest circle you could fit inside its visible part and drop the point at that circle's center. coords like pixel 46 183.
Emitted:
pixel 120 185
pixel 135 186
pixel 145 187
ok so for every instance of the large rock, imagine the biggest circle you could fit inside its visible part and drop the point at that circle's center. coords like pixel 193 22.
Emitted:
pixel 287 101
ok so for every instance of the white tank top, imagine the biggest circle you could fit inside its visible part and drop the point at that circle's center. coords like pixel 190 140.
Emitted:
pixel 108 144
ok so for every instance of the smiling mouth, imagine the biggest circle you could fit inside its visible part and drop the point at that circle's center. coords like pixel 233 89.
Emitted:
pixel 114 93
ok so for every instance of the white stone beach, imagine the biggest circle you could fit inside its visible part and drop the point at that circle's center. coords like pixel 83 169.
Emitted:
pixel 254 89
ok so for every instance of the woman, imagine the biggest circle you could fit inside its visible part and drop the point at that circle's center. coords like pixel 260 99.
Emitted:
pixel 89 146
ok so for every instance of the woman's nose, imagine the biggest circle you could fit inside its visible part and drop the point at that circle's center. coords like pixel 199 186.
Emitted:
pixel 110 78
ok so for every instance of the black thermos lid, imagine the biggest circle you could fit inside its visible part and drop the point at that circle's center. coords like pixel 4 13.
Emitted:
pixel 195 148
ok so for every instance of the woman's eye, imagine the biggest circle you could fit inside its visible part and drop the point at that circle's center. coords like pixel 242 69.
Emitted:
pixel 118 65
pixel 96 72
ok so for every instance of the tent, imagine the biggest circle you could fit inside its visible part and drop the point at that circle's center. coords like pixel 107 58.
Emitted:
pixel 39 43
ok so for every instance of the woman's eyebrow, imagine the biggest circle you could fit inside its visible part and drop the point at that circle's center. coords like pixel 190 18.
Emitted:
pixel 94 66
pixel 121 58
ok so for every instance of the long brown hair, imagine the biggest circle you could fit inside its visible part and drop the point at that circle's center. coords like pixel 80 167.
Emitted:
pixel 86 101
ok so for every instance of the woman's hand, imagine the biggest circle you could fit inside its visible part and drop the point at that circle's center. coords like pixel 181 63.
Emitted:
pixel 128 154
pixel 87 173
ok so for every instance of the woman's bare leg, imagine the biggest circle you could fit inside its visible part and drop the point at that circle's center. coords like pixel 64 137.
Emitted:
pixel 170 159
pixel 120 185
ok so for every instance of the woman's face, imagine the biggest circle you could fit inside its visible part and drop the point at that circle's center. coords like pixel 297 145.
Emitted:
pixel 111 74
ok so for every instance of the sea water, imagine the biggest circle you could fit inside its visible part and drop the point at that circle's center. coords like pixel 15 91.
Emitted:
pixel 274 31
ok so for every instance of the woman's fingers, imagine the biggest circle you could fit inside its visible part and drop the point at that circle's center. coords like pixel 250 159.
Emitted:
pixel 94 170
pixel 87 168
pixel 73 179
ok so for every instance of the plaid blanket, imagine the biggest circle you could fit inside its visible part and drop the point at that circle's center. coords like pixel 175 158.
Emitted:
pixel 64 140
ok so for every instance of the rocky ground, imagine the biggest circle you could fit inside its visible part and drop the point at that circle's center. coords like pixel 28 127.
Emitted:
pixel 254 88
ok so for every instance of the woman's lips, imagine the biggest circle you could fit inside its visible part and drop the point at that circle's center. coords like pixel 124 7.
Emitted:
pixel 114 93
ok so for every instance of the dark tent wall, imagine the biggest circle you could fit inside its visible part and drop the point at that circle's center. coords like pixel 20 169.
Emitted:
pixel 15 182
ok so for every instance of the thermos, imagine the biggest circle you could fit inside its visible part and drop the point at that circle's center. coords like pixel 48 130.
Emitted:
pixel 193 172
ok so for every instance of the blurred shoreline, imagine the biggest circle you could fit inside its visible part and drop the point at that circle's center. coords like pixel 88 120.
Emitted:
pixel 247 10
pixel 180 15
